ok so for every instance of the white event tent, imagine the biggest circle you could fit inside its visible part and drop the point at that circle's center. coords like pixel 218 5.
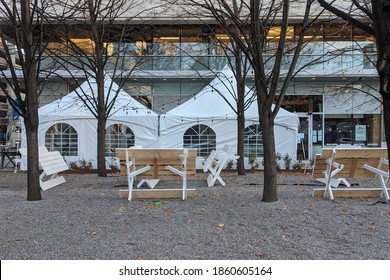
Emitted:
pixel 72 111
pixel 212 107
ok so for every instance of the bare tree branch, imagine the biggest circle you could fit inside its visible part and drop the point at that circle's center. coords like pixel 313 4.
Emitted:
pixel 347 17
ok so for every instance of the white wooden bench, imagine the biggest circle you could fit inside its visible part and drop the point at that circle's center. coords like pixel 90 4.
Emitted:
pixel 23 156
pixel 215 162
pixel 355 163
pixel 153 165
pixel 51 164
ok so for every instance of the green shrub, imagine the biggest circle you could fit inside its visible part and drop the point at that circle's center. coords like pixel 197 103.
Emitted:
pixel 287 161
pixel 252 159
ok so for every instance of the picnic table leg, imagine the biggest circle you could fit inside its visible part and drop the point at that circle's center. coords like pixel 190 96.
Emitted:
pixel 328 187
pixel 130 181
pixel 131 176
pixel 383 177
pixel 184 197
pixel 384 187
pixel 215 175
pixel 183 173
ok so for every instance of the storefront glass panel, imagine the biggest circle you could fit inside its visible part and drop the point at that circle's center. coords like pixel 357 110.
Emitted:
pixel 358 129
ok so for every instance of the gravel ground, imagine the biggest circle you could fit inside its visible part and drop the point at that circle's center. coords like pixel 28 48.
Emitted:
pixel 85 219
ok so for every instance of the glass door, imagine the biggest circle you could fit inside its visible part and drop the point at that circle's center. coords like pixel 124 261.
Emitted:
pixel 304 140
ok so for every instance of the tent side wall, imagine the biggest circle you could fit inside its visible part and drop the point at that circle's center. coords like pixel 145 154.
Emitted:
pixel 174 127
pixel 143 127
pixel 127 111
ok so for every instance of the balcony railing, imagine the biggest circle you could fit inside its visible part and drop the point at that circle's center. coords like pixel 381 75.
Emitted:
pixel 344 64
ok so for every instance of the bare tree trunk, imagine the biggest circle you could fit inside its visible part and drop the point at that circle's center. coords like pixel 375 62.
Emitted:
pixel 386 113
pixel 101 137
pixel 386 119
pixel 101 125
pixel 33 188
pixel 240 139
pixel 381 19
pixel 32 120
pixel 270 193
pixel 240 112
pixel 31 126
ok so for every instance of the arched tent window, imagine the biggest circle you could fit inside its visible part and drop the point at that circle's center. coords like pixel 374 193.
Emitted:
pixel 253 141
pixel 200 137
pixel 62 137
pixel 118 136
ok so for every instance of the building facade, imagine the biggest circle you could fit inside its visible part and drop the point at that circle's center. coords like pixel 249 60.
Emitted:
pixel 334 93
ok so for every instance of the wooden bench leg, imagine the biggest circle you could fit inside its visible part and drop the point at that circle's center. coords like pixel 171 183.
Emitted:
pixel 214 176
pixel 131 176
pixel 383 177
pixel 384 187
pixel 184 195
pixel 328 187
pixel 183 175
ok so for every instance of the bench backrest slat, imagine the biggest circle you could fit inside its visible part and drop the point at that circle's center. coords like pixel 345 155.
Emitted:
pixel 158 159
pixel 52 162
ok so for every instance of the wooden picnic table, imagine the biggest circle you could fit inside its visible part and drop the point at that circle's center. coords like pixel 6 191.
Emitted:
pixel 339 164
pixel 155 164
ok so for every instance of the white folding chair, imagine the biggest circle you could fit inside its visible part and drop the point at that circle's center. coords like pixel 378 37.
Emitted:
pixel 215 162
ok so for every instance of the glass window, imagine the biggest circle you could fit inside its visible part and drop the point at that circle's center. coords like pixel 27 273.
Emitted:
pixel 63 138
pixel 200 137
pixel 118 136
pixel 166 47
pixel 253 141
pixel 166 88
pixel 302 103
pixel 356 129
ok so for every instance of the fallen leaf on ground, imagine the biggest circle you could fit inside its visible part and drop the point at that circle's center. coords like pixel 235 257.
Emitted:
pixel 259 254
